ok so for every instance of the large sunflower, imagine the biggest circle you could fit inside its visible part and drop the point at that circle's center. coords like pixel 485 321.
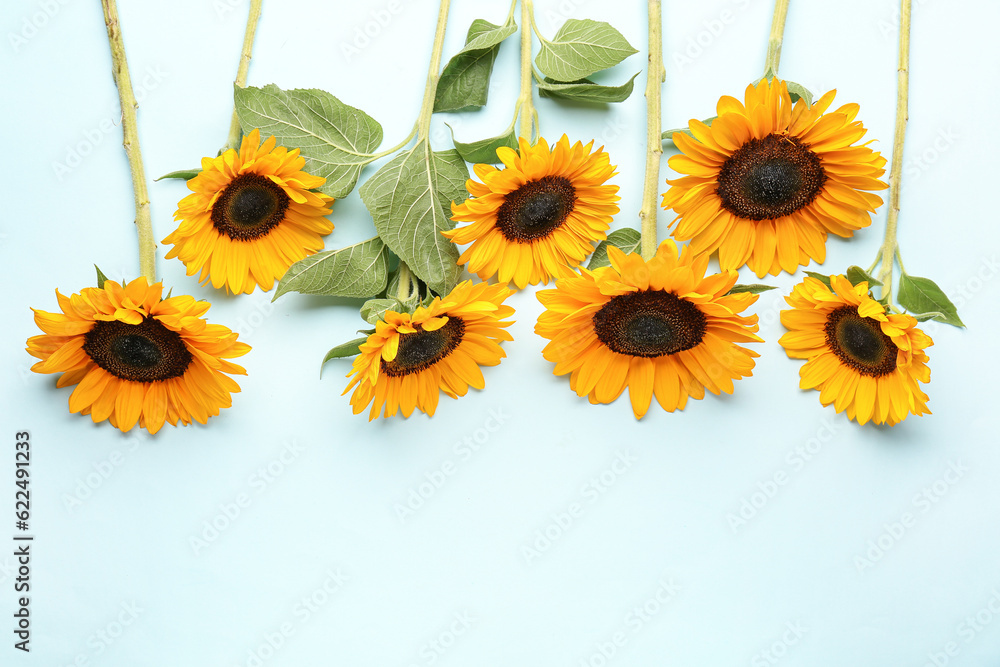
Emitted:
pixel 865 362
pixel 135 358
pixel 440 347
pixel 767 180
pixel 252 215
pixel 659 327
pixel 541 212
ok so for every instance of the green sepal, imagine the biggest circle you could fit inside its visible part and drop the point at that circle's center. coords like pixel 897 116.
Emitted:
pixel 669 134
pixel 101 278
pixel 184 174
pixel 752 289
pixel 855 274
pixel 625 239
pixel 348 349
pixel 820 277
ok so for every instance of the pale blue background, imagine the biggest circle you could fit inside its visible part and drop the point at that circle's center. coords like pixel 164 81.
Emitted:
pixel 455 572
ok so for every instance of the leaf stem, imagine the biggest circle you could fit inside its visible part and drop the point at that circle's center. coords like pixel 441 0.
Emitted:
pixel 654 144
pixel 403 288
pixel 525 103
pixel 774 41
pixel 433 74
pixel 119 68
pixel 375 156
pixel 235 132
pixel 890 247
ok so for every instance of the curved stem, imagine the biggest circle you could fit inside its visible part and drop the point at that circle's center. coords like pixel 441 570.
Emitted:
pixel 525 103
pixel 375 156
pixel 119 67
pixel 654 144
pixel 233 141
pixel 433 73
pixel 890 246
pixel 774 41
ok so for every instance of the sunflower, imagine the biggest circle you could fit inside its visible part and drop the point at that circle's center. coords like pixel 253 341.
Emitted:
pixel 441 346
pixel 659 327
pixel 252 215
pixel 541 212
pixel 767 181
pixel 862 360
pixel 137 358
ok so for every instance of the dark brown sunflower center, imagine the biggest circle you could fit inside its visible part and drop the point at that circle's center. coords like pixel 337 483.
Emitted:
pixel 860 343
pixel 649 324
pixel 536 209
pixel 422 349
pixel 770 178
pixel 145 352
pixel 250 207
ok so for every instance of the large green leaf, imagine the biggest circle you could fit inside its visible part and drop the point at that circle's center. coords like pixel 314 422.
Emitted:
pixel 586 90
pixel 358 271
pixel 626 239
pixel 465 81
pixel 485 150
pixel 410 201
pixel 580 48
pixel 924 297
pixel 335 139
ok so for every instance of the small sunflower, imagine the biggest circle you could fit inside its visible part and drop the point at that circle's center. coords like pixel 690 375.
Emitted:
pixel 659 327
pixel 137 358
pixel 541 212
pixel 864 361
pixel 440 347
pixel 767 181
pixel 252 215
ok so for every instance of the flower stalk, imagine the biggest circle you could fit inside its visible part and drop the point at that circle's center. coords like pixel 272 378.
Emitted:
pixel 655 74
pixel 235 132
pixel 119 68
pixel 890 247
pixel 774 41
pixel 525 102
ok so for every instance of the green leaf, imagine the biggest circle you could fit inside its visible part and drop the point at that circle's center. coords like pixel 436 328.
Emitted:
pixel 348 349
pixel 184 174
pixel 373 309
pixel 358 271
pixel 668 135
pixel 101 278
pixel 580 48
pixel 485 150
pixel 465 81
pixel 626 239
pixel 922 295
pixel 335 139
pixel 858 275
pixel 410 201
pixel 752 289
pixel 586 90
pixel 797 90
pixel 820 277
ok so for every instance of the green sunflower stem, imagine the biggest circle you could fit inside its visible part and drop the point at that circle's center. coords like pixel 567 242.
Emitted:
pixel 655 75
pixel 235 131
pixel 119 68
pixel 433 74
pixel 525 102
pixel 405 277
pixel 890 247
pixel 774 41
